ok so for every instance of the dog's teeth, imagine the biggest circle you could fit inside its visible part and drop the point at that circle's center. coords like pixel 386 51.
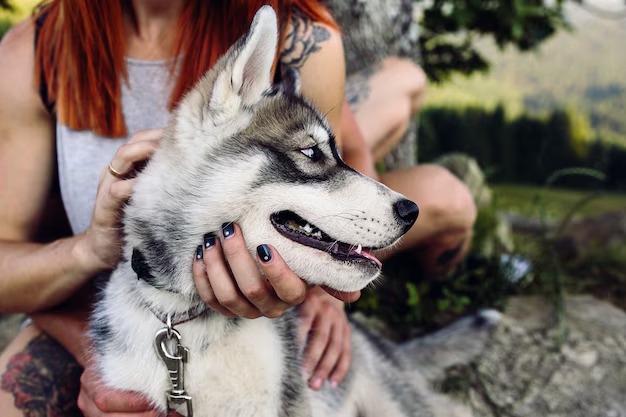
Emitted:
pixel 307 228
pixel 359 249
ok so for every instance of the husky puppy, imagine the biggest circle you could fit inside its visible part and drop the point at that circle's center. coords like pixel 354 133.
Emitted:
pixel 239 149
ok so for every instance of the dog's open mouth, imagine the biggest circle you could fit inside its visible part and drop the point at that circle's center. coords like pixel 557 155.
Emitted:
pixel 299 230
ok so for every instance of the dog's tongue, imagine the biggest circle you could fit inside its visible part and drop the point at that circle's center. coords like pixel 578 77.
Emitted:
pixel 367 254
pixel 359 251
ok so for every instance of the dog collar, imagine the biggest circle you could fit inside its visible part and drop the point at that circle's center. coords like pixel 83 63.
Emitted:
pixel 141 268
pixel 175 319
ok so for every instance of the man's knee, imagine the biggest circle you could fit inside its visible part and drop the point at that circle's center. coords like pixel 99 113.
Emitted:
pixel 450 201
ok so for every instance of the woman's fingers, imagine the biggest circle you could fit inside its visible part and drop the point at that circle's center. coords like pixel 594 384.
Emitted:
pixel 286 284
pixel 203 286
pixel 344 361
pixel 317 342
pixel 228 279
pixel 223 283
pixel 130 154
pixel 246 273
pixel 328 345
pixel 96 400
pixel 146 134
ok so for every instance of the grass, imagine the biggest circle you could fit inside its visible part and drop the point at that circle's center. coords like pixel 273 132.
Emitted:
pixel 525 200
pixel 598 271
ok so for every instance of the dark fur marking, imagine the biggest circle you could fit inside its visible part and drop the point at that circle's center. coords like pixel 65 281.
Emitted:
pixel 285 170
pixel 292 384
pixel 44 379
pixel 141 268
pixel 157 256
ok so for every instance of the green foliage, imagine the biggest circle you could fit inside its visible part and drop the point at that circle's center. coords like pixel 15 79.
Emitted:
pixel 524 200
pixel 451 27
pixel 526 149
pixel 580 70
pixel 12 12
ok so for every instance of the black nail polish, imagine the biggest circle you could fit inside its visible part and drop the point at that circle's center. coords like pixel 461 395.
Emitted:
pixel 264 253
pixel 228 229
pixel 199 253
pixel 209 240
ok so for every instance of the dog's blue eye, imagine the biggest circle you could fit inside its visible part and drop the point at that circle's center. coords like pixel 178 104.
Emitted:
pixel 313 153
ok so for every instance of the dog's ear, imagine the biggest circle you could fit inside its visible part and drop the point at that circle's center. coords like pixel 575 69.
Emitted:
pixel 248 70
pixel 239 78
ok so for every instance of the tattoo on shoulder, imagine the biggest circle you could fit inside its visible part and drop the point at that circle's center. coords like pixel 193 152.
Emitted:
pixel 302 40
pixel 44 379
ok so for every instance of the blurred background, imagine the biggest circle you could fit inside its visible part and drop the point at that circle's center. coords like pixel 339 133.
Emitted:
pixel 527 104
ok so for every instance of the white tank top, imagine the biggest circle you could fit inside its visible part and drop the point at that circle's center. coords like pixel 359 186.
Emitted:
pixel 82 155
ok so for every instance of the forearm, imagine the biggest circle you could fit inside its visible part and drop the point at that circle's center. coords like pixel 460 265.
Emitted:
pixel 36 277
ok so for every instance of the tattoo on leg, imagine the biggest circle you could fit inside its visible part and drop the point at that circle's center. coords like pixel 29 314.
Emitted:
pixel 44 380
pixel 302 40
pixel 358 86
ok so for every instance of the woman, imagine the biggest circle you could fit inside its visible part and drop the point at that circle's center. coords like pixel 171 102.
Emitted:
pixel 86 51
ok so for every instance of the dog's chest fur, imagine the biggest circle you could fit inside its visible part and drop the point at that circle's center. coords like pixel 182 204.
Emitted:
pixel 235 367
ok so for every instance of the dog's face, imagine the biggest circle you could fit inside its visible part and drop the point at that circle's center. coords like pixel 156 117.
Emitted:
pixel 259 155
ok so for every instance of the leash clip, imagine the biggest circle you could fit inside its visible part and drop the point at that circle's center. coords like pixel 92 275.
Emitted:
pixel 174 355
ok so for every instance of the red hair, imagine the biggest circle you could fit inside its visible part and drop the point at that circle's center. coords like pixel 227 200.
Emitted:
pixel 81 47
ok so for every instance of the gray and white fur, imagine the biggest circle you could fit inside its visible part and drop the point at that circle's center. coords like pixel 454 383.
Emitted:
pixel 238 149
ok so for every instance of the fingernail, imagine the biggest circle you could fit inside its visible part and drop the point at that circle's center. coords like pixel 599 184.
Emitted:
pixel 264 253
pixel 228 229
pixel 209 240
pixel 334 384
pixel 199 253
pixel 316 383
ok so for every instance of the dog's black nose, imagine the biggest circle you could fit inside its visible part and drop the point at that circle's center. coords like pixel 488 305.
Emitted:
pixel 406 211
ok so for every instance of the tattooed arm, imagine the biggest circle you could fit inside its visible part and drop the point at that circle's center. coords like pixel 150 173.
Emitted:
pixel 316 51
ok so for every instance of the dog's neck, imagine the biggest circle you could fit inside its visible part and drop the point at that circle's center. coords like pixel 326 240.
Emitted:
pixel 161 301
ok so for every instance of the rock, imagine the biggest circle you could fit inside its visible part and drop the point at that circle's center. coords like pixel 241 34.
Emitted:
pixel 531 368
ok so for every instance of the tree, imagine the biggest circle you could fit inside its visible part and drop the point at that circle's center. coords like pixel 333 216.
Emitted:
pixel 449 29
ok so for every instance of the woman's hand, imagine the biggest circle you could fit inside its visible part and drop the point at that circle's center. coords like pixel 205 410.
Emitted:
pixel 228 279
pixel 325 330
pixel 95 400
pixel 100 247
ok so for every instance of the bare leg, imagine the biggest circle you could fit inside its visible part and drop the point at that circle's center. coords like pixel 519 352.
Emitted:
pixel 38 378
pixel 383 99
pixel 441 236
